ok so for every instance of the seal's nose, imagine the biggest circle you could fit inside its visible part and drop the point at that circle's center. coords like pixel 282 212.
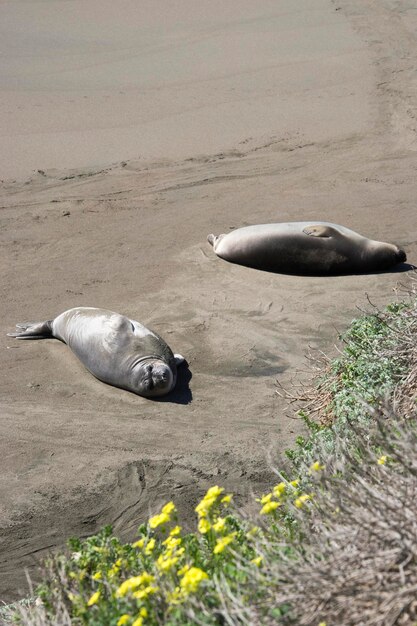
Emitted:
pixel 159 379
pixel 401 256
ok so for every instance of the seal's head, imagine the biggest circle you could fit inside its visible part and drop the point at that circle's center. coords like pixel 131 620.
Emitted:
pixel 386 255
pixel 400 256
pixel 152 377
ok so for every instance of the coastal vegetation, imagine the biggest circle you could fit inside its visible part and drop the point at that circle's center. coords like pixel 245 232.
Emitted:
pixel 334 541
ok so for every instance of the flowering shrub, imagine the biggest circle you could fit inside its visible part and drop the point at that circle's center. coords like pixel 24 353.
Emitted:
pixel 164 574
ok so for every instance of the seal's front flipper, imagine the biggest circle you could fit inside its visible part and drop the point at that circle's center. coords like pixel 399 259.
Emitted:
pixel 179 359
pixel 33 330
pixel 320 231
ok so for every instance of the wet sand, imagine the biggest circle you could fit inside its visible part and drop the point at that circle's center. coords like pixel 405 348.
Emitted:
pixel 123 145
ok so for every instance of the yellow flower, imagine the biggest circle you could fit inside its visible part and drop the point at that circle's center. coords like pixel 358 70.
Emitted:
pixel 97 576
pixel 301 500
pixel 168 508
pixel 139 620
pixel 226 499
pixel 172 542
pixel 165 563
pixel 158 520
pixel 133 583
pixel 203 526
pixel 223 542
pixel 322 624
pixel 279 489
pixel 257 561
pixel 184 569
pixel 94 598
pixel 146 578
pixel 174 597
pixel 266 498
pixel 382 460
pixel 163 517
pixel 192 579
pixel 150 546
pixel 144 593
pixel 269 507
pixel 113 570
pixel 179 552
pixel 294 483
pixel 204 506
pixel 209 499
pixel 139 543
pixel 219 525
pixel 175 531
pixel 123 619
pixel 214 492
pixel 316 467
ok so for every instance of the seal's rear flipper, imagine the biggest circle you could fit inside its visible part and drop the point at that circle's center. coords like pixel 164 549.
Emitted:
pixel 33 330
pixel 214 239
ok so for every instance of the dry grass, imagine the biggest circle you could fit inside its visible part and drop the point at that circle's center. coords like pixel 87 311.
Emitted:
pixel 358 563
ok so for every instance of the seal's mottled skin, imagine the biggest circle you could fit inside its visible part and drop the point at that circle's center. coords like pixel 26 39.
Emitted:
pixel 117 350
pixel 315 248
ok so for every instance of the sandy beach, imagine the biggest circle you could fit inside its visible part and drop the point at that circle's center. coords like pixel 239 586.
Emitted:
pixel 129 131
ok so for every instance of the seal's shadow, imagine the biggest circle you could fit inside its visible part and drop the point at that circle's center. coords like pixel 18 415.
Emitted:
pixel 181 394
pixel 396 269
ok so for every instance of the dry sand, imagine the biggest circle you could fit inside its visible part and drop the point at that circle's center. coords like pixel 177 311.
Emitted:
pixel 129 131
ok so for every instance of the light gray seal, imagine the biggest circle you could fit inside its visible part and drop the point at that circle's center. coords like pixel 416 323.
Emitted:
pixel 115 349
pixel 315 248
